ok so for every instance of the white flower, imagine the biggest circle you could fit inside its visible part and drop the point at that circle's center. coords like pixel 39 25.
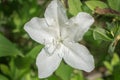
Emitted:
pixel 60 36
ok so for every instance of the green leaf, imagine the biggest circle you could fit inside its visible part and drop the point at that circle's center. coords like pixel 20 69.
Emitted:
pixel 115 29
pixel 108 66
pixel 116 72
pixel 114 4
pixel 118 30
pixel 23 62
pixel 17 21
pixel 115 60
pixel 94 4
pixel 111 48
pixel 17 72
pixel 78 75
pixel 64 71
pixel 100 34
pixel 7 48
pixel 53 77
pixel 3 77
pixel 4 69
pixel 74 6
pixel 34 52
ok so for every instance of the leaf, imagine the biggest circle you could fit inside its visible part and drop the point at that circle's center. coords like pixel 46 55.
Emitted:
pixel 3 77
pixel 118 30
pixel 116 72
pixel 111 48
pixel 74 6
pixel 17 20
pixel 34 52
pixel 7 48
pixel 23 62
pixel 100 34
pixel 94 4
pixel 17 73
pixel 78 75
pixel 115 29
pixel 114 4
pixel 53 77
pixel 108 66
pixel 4 69
pixel 64 71
pixel 115 60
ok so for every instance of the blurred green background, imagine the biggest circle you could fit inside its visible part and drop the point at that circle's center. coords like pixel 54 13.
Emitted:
pixel 18 51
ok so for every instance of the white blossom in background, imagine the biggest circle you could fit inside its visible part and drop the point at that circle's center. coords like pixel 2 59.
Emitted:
pixel 60 36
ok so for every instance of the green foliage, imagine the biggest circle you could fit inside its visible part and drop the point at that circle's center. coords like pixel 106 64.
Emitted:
pixel 7 48
pixel 64 71
pixel 114 4
pixel 115 60
pixel 22 63
pixel 116 72
pixel 34 52
pixel 108 66
pixel 74 6
pixel 115 31
pixel 113 67
pixel 94 4
pixel 3 77
pixel 4 68
pixel 100 33
pixel 77 76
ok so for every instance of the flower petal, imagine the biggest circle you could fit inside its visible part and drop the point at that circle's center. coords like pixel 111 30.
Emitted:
pixel 39 31
pixel 47 64
pixel 78 56
pixel 55 14
pixel 77 26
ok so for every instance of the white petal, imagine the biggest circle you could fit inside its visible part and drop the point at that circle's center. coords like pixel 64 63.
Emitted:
pixel 77 26
pixel 50 48
pixel 39 31
pixel 47 64
pixel 78 57
pixel 55 14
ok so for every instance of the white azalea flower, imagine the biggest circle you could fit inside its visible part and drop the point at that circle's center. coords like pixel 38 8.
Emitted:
pixel 60 36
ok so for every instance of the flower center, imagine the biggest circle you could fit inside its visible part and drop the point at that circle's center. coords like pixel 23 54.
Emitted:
pixel 57 41
pixel 54 46
pixel 60 40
